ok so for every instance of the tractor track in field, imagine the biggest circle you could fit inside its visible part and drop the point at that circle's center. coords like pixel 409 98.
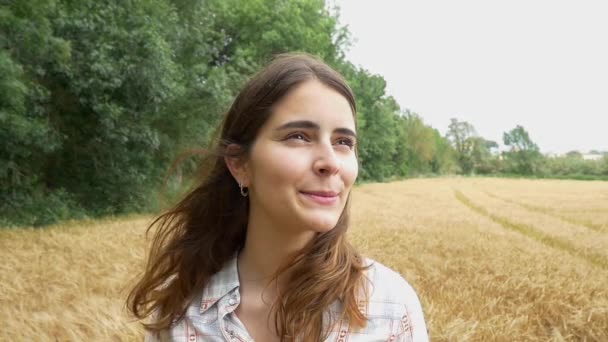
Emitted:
pixel 549 212
pixel 533 233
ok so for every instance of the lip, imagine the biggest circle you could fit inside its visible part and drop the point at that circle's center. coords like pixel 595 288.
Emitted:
pixel 321 197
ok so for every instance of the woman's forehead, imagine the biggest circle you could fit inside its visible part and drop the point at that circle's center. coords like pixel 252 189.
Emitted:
pixel 315 102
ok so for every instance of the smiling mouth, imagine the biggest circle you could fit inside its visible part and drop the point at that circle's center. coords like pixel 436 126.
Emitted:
pixel 321 197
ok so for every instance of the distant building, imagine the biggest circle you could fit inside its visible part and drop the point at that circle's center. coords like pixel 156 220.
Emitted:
pixel 588 156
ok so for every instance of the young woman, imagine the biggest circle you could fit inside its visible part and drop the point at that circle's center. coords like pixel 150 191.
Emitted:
pixel 258 251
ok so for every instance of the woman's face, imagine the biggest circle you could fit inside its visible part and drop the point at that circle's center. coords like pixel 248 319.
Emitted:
pixel 302 165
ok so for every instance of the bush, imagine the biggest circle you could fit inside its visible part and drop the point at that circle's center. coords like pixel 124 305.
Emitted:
pixel 38 209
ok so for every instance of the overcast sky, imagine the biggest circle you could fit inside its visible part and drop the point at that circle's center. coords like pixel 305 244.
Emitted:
pixel 496 64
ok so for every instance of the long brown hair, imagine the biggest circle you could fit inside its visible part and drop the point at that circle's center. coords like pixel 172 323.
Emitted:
pixel 195 239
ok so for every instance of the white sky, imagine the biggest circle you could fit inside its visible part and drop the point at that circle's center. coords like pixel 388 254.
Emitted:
pixel 495 64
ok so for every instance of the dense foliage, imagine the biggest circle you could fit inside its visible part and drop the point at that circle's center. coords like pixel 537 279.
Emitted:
pixel 97 98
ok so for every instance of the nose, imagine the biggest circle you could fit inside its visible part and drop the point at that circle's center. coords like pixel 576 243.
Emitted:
pixel 326 162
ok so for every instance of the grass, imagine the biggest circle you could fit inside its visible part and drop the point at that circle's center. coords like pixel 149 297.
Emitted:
pixel 484 271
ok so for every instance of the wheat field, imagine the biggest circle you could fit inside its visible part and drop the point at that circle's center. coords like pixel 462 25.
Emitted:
pixel 491 259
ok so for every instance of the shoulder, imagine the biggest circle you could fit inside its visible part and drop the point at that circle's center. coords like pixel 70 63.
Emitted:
pixel 387 285
pixel 391 296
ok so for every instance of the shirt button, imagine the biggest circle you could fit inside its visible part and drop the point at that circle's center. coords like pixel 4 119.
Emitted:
pixel 232 301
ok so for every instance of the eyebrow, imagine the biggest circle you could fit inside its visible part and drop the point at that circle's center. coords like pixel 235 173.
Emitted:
pixel 305 124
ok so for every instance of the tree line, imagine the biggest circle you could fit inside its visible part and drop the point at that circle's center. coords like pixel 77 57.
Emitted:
pixel 98 98
pixel 476 155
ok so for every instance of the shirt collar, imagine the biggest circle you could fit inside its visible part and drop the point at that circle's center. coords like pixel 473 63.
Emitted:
pixel 220 284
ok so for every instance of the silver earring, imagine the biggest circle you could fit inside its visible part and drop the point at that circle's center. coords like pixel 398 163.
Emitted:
pixel 244 190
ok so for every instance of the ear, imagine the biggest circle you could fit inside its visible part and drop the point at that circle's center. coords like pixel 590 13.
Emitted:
pixel 237 164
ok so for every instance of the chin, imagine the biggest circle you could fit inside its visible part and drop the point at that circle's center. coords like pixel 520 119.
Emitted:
pixel 322 224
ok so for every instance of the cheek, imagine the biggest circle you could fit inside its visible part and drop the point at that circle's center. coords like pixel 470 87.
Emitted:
pixel 279 166
pixel 350 170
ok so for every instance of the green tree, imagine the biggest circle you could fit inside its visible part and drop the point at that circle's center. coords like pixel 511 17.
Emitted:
pixel 444 160
pixel 524 156
pixel 574 154
pixel 461 134
pixel 377 128
pixel 484 160
pixel 604 165
pixel 420 143
pixel 97 98
pixel 29 51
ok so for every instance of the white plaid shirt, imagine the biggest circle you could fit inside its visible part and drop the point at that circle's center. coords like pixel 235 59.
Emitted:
pixel 393 310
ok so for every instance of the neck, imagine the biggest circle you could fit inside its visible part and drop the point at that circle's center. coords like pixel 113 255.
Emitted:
pixel 266 249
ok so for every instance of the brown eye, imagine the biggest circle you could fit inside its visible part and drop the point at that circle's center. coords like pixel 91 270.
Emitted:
pixel 346 142
pixel 297 136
